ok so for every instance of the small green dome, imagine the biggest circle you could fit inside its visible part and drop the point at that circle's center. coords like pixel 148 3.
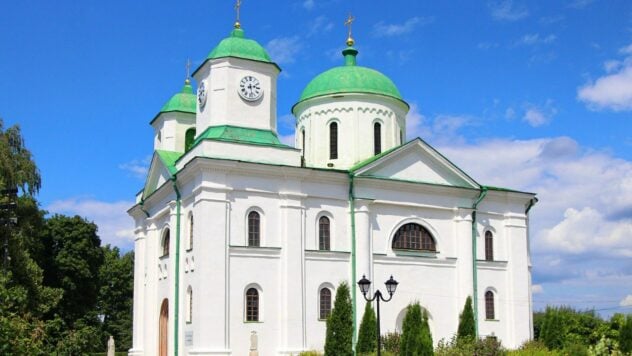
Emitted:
pixel 350 78
pixel 236 45
pixel 184 101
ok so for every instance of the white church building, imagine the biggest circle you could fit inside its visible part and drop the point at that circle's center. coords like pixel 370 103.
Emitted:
pixel 241 241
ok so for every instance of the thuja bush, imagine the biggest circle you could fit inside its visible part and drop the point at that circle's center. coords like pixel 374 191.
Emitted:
pixel 338 341
pixel 367 336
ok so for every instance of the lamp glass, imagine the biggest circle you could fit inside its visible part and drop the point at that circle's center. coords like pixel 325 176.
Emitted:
pixel 391 285
pixel 364 284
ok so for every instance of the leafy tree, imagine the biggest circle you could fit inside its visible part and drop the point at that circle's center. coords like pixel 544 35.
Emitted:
pixel 466 328
pixel 416 339
pixel 17 168
pixel 75 260
pixel 339 339
pixel 625 335
pixel 116 277
pixel 367 336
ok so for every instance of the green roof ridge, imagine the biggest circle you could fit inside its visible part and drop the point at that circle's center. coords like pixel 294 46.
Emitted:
pixel 230 133
pixel 372 159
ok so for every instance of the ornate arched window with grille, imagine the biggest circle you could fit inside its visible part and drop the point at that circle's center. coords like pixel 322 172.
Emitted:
pixel 489 246
pixel 324 233
pixel 165 242
pixel 252 304
pixel 413 237
pixel 324 303
pixel 377 138
pixel 254 229
pixel 489 305
pixel 333 140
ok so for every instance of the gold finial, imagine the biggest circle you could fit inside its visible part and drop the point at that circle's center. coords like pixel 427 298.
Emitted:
pixel 348 23
pixel 237 7
pixel 188 67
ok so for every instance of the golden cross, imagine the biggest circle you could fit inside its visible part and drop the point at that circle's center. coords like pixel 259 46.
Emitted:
pixel 348 23
pixel 237 7
pixel 188 66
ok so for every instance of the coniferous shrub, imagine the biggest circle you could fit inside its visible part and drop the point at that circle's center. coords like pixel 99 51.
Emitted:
pixel 466 322
pixel 367 336
pixel 416 339
pixel 339 339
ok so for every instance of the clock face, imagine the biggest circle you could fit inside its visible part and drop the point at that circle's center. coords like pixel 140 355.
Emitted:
pixel 250 88
pixel 201 94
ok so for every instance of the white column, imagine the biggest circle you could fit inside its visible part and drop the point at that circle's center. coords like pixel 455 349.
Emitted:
pixel 518 294
pixel 364 256
pixel 465 278
pixel 293 338
pixel 139 288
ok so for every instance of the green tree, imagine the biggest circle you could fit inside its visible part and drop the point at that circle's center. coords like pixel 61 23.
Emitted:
pixel 466 328
pixel 17 168
pixel 116 277
pixel 339 339
pixel 625 336
pixel 75 260
pixel 553 331
pixel 367 336
pixel 416 339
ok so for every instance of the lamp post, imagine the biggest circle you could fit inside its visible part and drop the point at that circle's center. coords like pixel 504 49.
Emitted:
pixel 391 286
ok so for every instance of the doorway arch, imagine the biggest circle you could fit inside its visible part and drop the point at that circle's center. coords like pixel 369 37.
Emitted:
pixel 163 346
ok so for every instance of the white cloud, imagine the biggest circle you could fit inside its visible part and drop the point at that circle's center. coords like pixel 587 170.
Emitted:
pixel 508 11
pixel 535 39
pixel 537 289
pixel 539 115
pixel 415 123
pixel 580 4
pixel 627 301
pixel 612 91
pixel 611 65
pixel 319 25
pixel 382 29
pixel 309 4
pixel 115 226
pixel 284 49
pixel 138 168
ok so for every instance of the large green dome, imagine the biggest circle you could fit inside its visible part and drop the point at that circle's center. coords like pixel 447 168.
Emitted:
pixel 236 45
pixel 350 78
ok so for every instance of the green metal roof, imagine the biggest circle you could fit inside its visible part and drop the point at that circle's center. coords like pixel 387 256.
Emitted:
pixel 350 78
pixel 169 159
pixel 184 101
pixel 240 135
pixel 236 45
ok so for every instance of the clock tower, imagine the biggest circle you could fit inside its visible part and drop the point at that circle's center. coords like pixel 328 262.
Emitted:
pixel 237 86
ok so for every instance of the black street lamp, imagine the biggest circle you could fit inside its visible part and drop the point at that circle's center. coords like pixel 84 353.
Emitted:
pixel 391 286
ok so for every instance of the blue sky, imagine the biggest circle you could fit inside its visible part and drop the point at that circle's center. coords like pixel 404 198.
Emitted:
pixel 529 95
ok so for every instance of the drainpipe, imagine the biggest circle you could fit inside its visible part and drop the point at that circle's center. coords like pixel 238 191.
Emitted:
pixel 353 258
pixel 177 272
pixel 474 264
pixel 142 208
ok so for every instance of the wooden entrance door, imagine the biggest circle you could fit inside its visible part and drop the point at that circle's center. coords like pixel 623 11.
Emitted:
pixel 163 328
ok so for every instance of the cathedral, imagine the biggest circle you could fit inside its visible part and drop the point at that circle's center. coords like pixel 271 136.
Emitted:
pixel 241 241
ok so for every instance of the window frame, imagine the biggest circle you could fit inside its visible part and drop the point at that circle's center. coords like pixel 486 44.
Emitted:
pixel 189 306
pixel 490 305
pixel 377 138
pixel 165 242
pixel 321 236
pixel 253 238
pixel 322 317
pixel 191 230
pixel 410 243
pixel 257 315
pixel 489 245
pixel 333 140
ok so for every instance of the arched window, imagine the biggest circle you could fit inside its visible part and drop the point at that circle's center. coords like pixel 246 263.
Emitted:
pixel 489 305
pixel 324 303
pixel 377 138
pixel 190 247
pixel 189 305
pixel 303 147
pixel 165 243
pixel 333 140
pixel 254 229
pixel 413 237
pixel 189 138
pixel 489 246
pixel 401 137
pixel 324 228
pixel 252 304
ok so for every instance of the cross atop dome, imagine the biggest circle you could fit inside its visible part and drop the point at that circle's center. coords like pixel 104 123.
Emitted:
pixel 237 7
pixel 348 23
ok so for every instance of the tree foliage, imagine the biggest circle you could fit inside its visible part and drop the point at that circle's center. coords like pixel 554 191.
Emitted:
pixel 466 328
pixel 625 335
pixel 367 336
pixel 416 339
pixel 339 339
pixel 17 168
